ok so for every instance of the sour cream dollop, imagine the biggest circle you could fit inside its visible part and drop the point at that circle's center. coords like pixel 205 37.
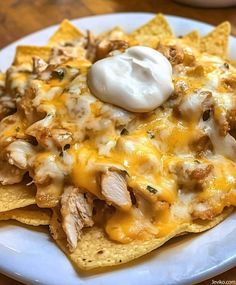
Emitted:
pixel 138 80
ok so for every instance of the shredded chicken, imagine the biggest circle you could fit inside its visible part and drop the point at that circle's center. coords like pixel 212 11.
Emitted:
pixel 203 211
pixel 39 65
pixel 202 145
pixel 231 119
pixel 106 46
pixel 48 168
pixel 229 83
pixel 90 46
pixel 226 120
pixel 192 174
pixel 10 174
pixel 224 145
pixel 10 124
pixel 61 137
pixel 18 153
pixel 17 79
pixel 7 103
pixel 62 54
pixel 76 211
pixel 194 105
pixel 114 188
pixel 173 53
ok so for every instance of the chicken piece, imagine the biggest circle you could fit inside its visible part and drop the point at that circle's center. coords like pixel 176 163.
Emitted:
pixel 61 137
pixel 173 53
pixel 62 54
pixel 10 129
pixel 202 145
pixel 41 130
pixel 231 119
pixel 229 83
pixel 203 211
pixel 18 153
pixel 76 211
pixel 10 174
pixel 191 174
pixel 7 103
pixel 114 188
pixel 90 46
pixel 47 168
pixel 195 105
pixel 48 175
pixel 106 46
pixel 221 118
pixel 224 145
pixel 39 65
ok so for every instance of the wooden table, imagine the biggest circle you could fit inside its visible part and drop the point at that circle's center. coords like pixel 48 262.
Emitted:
pixel 21 17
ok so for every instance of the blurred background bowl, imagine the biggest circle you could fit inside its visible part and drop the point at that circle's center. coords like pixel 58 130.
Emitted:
pixel 208 3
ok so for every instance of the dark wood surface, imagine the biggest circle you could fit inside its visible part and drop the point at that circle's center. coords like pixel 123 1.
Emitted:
pixel 21 17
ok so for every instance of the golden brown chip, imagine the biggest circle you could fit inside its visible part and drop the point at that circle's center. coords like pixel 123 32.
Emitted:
pixel 79 62
pixel 31 215
pixel 217 41
pixel 192 39
pixel 65 33
pixel 117 33
pixel 153 31
pixel 158 26
pixel 16 196
pixel 24 54
pixel 95 250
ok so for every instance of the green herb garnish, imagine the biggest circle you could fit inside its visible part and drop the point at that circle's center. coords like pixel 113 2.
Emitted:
pixel 151 134
pixel 58 74
pixel 124 132
pixel 151 189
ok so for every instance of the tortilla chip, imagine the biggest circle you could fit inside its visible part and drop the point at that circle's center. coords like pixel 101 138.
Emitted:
pixel 31 215
pixel 192 39
pixel 24 54
pixel 16 196
pixel 79 62
pixel 150 33
pixel 66 33
pixel 158 26
pixel 217 41
pixel 95 250
pixel 117 33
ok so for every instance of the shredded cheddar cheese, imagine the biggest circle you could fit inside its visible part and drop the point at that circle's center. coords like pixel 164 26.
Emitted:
pixel 175 164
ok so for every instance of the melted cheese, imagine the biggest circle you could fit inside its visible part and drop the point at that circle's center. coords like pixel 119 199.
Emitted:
pixel 95 136
pixel 125 227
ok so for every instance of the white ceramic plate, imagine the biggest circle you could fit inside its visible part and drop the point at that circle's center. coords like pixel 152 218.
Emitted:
pixel 31 256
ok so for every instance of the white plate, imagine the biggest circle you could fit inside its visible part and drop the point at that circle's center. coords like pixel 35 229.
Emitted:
pixel 30 256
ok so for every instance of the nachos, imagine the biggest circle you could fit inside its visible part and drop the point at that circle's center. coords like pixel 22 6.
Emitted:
pixel 115 184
